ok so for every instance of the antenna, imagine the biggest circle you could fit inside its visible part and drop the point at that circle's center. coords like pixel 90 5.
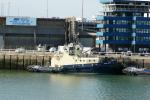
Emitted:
pixel 2 8
pixel 47 8
pixel 18 12
pixel 8 9
pixel 82 13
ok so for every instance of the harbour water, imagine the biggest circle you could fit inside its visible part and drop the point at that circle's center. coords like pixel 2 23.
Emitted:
pixel 17 85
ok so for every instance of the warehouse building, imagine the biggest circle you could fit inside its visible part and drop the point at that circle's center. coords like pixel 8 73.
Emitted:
pixel 29 32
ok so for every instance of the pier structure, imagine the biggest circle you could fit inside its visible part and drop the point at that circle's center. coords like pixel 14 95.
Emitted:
pixel 124 25
pixel 83 31
pixel 11 60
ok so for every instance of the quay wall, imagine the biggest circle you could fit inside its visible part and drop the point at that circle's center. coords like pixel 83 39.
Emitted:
pixel 132 61
pixel 19 61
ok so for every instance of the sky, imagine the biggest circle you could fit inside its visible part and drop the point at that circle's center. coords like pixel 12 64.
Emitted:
pixel 56 8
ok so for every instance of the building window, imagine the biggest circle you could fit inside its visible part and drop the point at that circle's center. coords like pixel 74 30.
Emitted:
pixel 142 30
pixel 143 22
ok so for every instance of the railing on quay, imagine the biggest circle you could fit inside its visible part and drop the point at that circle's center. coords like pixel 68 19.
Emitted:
pixel 11 51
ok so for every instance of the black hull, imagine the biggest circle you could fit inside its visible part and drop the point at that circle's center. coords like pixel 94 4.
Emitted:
pixel 106 68
pixel 93 68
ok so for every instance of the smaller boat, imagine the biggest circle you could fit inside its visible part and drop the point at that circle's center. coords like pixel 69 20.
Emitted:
pixel 43 69
pixel 136 71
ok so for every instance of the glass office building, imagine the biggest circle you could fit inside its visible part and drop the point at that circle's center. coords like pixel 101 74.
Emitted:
pixel 124 25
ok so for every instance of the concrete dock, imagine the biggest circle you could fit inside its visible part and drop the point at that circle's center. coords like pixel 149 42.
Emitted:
pixel 9 59
pixel 13 60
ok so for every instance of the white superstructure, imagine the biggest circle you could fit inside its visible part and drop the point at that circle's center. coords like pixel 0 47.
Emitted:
pixel 73 55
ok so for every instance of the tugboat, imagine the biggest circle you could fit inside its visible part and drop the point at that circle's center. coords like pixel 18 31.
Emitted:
pixel 72 59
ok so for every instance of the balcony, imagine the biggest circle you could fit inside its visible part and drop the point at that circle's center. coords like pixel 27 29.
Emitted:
pixel 143 26
pixel 113 18
pixel 113 42
pixel 111 9
pixel 113 26
pixel 141 42
pixel 126 34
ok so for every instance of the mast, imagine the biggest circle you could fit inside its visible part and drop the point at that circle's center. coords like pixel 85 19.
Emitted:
pixel 2 9
pixel 47 9
pixel 8 9
pixel 82 13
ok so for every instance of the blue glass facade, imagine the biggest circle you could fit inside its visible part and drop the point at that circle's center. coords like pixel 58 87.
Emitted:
pixel 124 24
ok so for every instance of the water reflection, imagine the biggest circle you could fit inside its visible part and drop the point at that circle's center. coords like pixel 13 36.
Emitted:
pixel 35 86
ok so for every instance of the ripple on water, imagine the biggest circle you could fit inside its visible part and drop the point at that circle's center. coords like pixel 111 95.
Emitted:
pixel 39 86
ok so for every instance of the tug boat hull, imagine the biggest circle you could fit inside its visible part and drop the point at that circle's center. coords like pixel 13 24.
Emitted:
pixel 93 68
pixel 102 68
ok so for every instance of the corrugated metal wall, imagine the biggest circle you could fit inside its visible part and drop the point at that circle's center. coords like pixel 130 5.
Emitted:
pixel 49 32
pixel 30 42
